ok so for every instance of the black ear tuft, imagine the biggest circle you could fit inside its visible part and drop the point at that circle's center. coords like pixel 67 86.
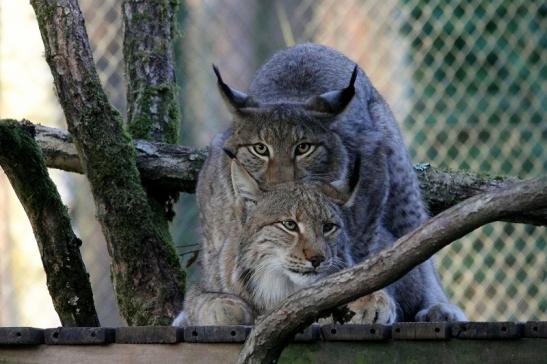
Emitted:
pixel 229 153
pixel 334 102
pixel 355 174
pixel 217 73
pixel 353 76
pixel 234 99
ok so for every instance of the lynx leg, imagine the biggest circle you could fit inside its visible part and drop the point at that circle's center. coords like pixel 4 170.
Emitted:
pixel 219 309
pixel 376 308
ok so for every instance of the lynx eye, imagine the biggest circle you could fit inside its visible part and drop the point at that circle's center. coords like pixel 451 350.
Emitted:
pixel 289 225
pixel 260 149
pixel 304 148
pixel 329 228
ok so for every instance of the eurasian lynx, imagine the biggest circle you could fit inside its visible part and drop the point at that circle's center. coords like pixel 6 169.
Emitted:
pixel 309 118
pixel 285 239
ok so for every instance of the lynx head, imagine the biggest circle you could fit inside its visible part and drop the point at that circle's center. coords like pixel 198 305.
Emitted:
pixel 288 141
pixel 292 235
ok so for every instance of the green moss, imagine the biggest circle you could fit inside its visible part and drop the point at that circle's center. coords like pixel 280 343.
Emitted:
pixel 163 98
pixel 18 138
pixel 44 13
pixel 140 127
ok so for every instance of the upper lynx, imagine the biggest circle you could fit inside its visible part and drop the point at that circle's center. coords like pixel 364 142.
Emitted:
pixel 310 114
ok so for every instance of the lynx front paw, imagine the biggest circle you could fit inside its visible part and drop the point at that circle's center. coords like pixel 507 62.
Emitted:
pixel 441 312
pixel 376 308
pixel 222 310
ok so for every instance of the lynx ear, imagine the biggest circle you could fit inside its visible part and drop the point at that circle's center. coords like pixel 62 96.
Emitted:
pixel 334 102
pixel 245 186
pixel 234 99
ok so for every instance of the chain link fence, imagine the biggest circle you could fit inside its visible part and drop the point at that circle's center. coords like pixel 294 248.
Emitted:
pixel 466 81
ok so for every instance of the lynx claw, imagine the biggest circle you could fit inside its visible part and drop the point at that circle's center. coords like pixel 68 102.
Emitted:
pixel 441 312
pixel 376 308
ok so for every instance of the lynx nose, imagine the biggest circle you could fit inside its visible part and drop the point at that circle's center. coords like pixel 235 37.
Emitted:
pixel 316 260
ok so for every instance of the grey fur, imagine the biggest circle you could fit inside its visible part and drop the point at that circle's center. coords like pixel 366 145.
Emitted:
pixel 281 111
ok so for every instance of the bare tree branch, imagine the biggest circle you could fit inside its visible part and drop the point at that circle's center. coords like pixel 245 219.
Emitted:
pixel 443 189
pixel 148 280
pixel 169 166
pixel 177 167
pixel 272 331
pixel 67 278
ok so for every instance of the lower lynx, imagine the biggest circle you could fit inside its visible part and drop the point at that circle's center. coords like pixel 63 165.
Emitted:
pixel 287 239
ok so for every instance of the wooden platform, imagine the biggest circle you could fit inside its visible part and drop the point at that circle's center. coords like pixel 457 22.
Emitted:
pixel 471 342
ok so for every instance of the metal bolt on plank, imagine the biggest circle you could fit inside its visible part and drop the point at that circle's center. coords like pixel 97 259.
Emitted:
pixel 355 332
pixel 421 330
pixel 487 330
pixel 79 336
pixel 212 334
pixel 535 329
pixel 21 336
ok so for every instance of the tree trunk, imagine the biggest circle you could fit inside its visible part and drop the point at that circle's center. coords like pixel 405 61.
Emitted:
pixel 153 113
pixel 67 278
pixel 149 27
pixel 147 277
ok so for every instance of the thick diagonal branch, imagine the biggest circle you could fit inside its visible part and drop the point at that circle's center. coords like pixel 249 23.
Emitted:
pixel 67 278
pixel 148 280
pixel 272 331
pixel 177 168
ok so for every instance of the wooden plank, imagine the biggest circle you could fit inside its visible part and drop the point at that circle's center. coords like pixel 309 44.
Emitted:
pixel 216 334
pixel 79 336
pixel 21 336
pixel 421 331
pixel 311 333
pixel 149 335
pixel 535 329
pixel 525 350
pixel 354 332
pixel 121 354
pixel 487 330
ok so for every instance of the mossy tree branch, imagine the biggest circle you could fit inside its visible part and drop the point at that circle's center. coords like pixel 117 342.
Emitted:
pixel 147 277
pixel 273 330
pixel 176 168
pixel 67 278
